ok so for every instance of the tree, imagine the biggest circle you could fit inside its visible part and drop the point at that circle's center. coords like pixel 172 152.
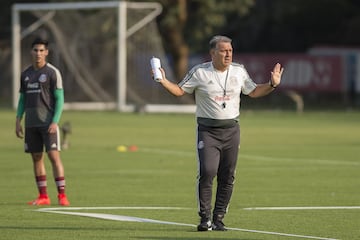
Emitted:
pixel 186 23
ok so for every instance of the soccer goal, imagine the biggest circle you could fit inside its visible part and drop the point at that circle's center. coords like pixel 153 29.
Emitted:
pixel 103 50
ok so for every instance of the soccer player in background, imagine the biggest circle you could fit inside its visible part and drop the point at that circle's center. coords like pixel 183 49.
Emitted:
pixel 217 86
pixel 42 99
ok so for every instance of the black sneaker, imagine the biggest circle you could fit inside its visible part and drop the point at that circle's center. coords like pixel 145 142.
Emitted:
pixel 205 225
pixel 218 225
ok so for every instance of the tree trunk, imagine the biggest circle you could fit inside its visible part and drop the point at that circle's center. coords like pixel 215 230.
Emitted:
pixel 177 44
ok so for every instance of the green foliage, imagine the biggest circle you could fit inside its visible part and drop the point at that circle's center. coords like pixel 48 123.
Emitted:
pixel 207 18
pixel 267 26
pixel 286 160
pixel 202 18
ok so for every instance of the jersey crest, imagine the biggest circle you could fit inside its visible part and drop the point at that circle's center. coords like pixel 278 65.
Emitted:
pixel 42 78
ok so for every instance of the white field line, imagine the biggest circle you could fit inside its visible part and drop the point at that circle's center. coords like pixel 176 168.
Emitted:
pixel 117 217
pixel 147 220
pixel 254 157
pixel 305 208
pixel 167 152
pixel 281 234
pixel 112 208
pixel 319 161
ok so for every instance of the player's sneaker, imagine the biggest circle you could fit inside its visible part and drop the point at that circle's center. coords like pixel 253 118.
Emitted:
pixel 63 201
pixel 218 225
pixel 41 200
pixel 205 225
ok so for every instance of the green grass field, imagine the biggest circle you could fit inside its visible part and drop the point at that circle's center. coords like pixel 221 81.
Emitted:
pixel 286 160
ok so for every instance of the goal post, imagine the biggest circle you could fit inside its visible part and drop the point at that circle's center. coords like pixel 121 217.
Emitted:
pixel 103 51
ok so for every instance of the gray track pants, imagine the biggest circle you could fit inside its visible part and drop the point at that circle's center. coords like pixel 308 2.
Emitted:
pixel 217 150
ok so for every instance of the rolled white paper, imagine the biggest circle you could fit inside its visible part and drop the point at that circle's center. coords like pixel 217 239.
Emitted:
pixel 155 65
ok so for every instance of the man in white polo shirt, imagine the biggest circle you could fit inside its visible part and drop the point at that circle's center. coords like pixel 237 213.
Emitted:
pixel 217 86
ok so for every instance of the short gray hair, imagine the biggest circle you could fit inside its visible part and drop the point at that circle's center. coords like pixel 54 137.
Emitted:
pixel 218 38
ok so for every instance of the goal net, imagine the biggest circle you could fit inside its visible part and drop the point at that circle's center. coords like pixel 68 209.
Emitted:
pixel 103 50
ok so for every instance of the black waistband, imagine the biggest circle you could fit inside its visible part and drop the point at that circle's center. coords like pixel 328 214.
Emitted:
pixel 220 123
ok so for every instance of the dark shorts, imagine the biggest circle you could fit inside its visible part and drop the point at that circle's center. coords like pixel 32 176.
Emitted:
pixel 36 138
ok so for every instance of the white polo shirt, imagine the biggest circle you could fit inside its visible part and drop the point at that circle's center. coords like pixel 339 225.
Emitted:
pixel 210 85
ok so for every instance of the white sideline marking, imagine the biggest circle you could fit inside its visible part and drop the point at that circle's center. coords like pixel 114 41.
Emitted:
pixel 110 208
pixel 281 234
pixel 303 208
pixel 255 157
pixel 117 217
pixel 319 161
pixel 164 151
pixel 147 220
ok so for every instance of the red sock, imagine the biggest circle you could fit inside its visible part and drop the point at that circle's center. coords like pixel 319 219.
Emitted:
pixel 42 185
pixel 60 183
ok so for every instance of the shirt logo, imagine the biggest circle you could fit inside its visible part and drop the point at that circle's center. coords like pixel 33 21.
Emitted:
pixel 26 79
pixel 233 81
pixel 34 85
pixel 42 78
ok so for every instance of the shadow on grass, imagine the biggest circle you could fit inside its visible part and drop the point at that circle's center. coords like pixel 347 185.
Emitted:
pixel 49 228
pixel 193 238
pixel 201 235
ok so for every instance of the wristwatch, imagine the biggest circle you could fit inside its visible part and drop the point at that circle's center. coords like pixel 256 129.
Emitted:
pixel 271 84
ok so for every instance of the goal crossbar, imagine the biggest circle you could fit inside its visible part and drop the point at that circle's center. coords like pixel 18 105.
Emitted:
pixel 83 5
pixel 123 33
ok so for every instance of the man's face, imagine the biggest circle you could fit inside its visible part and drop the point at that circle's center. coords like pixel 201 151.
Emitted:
pixel 222 55
pixel 39 54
